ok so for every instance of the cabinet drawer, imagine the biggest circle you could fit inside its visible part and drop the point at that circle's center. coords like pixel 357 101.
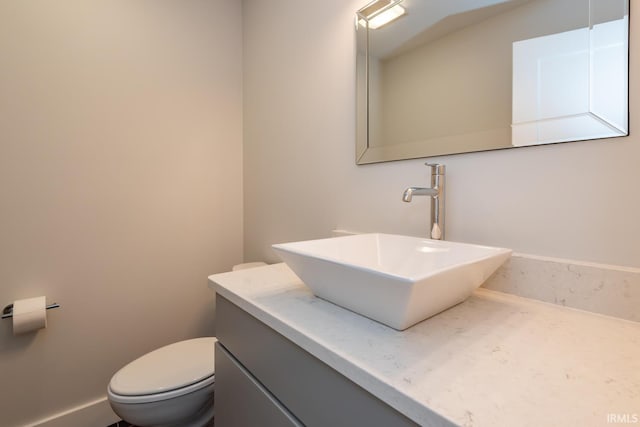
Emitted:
pixel 315 393
pixel 241 401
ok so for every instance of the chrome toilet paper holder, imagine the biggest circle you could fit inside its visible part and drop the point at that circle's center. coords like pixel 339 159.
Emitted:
pixel 7 312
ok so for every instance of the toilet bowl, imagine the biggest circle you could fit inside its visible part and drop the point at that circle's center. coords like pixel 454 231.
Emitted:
pixel 168 387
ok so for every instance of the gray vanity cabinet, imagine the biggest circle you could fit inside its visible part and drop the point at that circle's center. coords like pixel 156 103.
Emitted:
pixel 242 401
pixel 263 379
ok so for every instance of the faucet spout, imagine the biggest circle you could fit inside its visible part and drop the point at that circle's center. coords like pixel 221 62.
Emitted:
pixel 436 193
pixel 408 194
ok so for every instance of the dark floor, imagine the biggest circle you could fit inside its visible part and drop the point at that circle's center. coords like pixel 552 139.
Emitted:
pixel 126 424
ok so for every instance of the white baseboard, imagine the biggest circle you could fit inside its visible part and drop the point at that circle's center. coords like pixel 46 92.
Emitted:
pixel 96 413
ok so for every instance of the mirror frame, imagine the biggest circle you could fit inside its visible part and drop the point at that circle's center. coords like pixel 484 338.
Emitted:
pixel 367 155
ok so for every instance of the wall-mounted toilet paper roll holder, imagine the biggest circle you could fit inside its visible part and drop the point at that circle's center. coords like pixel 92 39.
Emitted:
pixel 7 312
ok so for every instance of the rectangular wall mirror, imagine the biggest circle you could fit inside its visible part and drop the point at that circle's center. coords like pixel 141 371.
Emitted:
pixel 458 76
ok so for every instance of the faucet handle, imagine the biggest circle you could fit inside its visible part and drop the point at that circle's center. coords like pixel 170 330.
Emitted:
pixel 436 168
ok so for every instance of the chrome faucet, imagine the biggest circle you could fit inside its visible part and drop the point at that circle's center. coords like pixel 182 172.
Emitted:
pixel 436 193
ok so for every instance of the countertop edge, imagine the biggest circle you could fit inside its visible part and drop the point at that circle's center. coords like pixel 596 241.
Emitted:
pixel 406 405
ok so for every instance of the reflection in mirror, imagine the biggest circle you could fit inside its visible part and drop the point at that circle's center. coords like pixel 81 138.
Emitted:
pixel 460 76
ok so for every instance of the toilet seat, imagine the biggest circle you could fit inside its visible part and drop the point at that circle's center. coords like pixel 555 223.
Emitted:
pixel 156 397
pixel 166 373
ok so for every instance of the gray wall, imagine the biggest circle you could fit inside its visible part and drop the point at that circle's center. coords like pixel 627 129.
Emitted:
pixel 577 200
pixel 120 185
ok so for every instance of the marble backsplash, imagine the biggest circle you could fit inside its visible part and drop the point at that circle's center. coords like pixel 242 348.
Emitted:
pixel 599 288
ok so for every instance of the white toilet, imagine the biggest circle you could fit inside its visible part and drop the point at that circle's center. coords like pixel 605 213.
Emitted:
pixel 169 387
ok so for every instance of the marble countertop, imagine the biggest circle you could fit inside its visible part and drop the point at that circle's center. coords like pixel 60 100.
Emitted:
pixel 494 360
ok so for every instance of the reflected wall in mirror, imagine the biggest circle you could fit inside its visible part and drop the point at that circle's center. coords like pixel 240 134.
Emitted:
pixel 458 76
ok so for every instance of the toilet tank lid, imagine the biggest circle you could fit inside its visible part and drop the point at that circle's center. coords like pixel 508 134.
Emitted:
pixel 168 368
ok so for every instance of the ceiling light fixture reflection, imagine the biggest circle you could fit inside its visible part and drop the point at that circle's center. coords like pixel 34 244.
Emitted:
pixel 380 12
pixel 387 16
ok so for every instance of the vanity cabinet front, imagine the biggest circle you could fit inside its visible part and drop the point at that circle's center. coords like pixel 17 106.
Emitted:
pixel 264 379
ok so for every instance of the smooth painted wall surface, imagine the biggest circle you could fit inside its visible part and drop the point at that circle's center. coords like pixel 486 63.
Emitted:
pixel 120 185
pixel 576 200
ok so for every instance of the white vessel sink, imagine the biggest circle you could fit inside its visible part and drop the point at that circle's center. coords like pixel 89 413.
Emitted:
pixel 395 280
